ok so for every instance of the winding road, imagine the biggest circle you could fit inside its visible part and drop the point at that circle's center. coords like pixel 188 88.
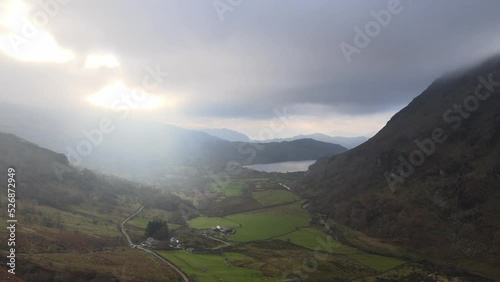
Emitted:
pixel 124 231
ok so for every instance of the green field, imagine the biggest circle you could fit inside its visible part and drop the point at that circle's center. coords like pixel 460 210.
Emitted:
pixel 258 224
pixel 204 222
pixel 139 222
pixel 173 226
pixel 317 240
pixel 213 267
pixel 233 189
pixel 274 197
pixel 267 223
pixel 378 263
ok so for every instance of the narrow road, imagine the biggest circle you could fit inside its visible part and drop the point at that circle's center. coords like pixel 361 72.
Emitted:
pixel 122 225
pixel 225 244
pixel 124 231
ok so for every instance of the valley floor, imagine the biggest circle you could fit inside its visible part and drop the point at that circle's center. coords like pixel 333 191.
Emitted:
pixel 275 239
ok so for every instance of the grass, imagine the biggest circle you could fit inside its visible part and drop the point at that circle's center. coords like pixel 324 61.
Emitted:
pixel 315 239
pixel 204 222
pixel 267 223
pixel 274 197
pixel 368 244
pixel 213 267
pixel 173 226
pixel 139 222
pixel 486 267
pixel 81 222
pixel 232 257
pixel 258 224
pixel 156 213
pixel 376 262
pixel 233 189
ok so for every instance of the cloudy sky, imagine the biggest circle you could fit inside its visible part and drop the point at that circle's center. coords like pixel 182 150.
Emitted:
pixel 335 67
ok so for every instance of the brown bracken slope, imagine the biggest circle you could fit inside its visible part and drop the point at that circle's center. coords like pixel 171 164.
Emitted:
pixel 430 179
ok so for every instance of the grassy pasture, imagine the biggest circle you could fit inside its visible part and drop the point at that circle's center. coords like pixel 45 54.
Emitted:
pixel 233 189
pixel 139 222
pixel 267 223
pixel 204 222
pixel 274 197
pixel 213 267
pixel 258 224
pixel 376 262
pixel 315 239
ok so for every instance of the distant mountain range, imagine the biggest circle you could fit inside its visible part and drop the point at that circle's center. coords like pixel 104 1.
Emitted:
pixel 152 151
pixel 430 179
pixel 231 135
pixel 348 142
pixel 227 134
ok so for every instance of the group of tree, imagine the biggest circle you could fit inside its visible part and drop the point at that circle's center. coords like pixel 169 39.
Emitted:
pixel 157 229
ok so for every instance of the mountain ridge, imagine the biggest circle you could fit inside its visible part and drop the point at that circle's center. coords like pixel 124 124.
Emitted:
pixel 348 142
pixel 235 136
pixel 434 204
pixel 148 151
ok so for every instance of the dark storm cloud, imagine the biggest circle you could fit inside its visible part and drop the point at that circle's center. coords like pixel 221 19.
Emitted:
pixel 271 54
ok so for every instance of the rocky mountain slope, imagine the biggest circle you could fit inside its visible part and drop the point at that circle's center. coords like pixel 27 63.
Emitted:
pixel 430 179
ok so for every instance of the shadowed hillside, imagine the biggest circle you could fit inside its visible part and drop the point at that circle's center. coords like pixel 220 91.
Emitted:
pixel 430 179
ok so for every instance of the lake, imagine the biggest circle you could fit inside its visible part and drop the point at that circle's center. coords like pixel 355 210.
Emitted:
pixel 292 166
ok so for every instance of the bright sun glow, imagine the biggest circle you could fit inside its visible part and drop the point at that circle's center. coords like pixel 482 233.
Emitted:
pixel 21 39
pixel 97 61
pixel 117 95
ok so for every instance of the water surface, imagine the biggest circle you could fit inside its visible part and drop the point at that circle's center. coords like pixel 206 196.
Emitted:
pixel 291 166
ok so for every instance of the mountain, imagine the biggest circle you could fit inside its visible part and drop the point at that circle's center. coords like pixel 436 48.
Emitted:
pixel 430 179
pixel 297 150
pixel 151 151
pixel 348 142
pixel 231 135
pixel 130 154
pixel 63 210
pixel 227 134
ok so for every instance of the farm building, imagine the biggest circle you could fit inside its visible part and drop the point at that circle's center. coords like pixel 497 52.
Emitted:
pixel 223 230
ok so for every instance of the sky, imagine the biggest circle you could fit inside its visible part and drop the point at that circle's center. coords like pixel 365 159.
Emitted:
pixel 264 68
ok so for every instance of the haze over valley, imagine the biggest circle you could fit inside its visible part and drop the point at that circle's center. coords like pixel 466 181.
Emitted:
pixel 249 140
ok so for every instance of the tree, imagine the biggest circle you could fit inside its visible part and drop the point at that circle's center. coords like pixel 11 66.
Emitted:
pixel 157 229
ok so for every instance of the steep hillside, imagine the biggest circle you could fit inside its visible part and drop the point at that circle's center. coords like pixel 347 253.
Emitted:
pixel 430 179
pixel 72 216
pixel 47 178
pixel 297 150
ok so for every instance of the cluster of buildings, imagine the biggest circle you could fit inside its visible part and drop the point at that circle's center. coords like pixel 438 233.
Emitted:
pixel 155 244
pixel 222 230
